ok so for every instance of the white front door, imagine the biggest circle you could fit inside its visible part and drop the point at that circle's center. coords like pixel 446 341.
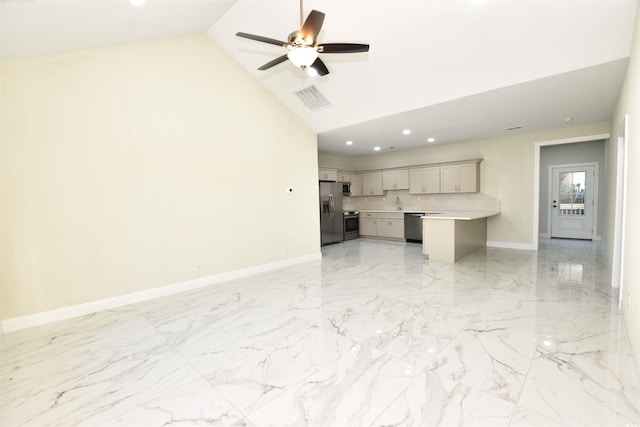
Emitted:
pixel 573 192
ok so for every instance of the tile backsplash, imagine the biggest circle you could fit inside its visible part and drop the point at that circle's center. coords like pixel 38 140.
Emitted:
pixel 428 202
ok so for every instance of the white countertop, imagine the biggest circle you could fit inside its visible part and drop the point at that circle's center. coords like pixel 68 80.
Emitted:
pixel 461 215
pixel 442 214
pixel 396 211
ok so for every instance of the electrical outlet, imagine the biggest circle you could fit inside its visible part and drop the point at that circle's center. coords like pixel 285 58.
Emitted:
pixel 178 271
pixel 198 268
pixel 628 300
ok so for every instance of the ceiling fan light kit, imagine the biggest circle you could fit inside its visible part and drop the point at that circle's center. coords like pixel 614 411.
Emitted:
pixel 302 57
pixel 303 50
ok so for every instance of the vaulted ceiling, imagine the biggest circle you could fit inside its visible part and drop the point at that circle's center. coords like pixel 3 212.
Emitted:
pixel 448 69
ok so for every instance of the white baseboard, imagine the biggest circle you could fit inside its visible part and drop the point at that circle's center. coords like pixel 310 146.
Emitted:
pixel 510 245
pixel 28 321
pixel 548 236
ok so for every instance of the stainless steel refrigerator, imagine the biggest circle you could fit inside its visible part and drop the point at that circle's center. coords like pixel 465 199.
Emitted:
pixel 331 217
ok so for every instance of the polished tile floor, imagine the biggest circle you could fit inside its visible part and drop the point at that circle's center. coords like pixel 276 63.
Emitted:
pixel 372 335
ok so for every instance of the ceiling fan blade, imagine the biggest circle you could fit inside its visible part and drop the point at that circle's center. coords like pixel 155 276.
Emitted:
pixel 275 62
pixel 312 25
pixel 262 39
pixel 319 66
pixel 342 48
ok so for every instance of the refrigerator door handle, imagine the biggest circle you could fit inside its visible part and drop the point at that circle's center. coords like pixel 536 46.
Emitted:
pixel 331 205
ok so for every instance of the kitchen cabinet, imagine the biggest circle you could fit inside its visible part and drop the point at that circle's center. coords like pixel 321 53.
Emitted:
pixel 395 179
pixel 372 184
pixel 452 177
pixel 460 178
pixel 328 175
pixel 382 224
pixel 344 176
pixel 390 227
pixel 424 180
pixel 368 226
pixel 356 185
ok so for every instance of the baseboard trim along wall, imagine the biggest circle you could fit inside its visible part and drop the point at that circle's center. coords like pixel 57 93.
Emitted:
pixel 37 319
pixel 511 245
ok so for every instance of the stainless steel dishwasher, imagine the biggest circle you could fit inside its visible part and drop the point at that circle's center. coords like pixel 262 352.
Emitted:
pixel 413 227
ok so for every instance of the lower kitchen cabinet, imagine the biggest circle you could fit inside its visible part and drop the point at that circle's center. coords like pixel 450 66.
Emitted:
pixel 382 224
pixel 393 228
pixel 368 227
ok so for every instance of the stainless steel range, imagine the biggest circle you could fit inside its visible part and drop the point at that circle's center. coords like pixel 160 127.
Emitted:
pixel 351 225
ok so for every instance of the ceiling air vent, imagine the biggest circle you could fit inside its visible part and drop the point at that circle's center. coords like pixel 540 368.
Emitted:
pixel 312 98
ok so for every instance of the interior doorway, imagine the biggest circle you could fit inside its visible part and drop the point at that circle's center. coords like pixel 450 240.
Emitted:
pixel 538 145
pixel 574 194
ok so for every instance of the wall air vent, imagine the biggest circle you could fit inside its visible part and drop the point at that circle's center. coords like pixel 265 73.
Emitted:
pixel 312 98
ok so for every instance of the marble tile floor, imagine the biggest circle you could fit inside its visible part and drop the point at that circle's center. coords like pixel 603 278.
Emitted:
pixel 373 335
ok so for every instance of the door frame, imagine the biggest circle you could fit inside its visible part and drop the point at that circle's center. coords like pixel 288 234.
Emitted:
pixel 536 176
pixel 594 214
pixel 617 263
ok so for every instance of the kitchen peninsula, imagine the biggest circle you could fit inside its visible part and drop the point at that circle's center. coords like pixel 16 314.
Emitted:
pixel 450 236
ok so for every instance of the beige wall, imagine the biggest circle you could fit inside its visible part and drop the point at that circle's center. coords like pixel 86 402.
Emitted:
pixel 579 152
pixel 121 164
pixel 506 173
pixel 628 103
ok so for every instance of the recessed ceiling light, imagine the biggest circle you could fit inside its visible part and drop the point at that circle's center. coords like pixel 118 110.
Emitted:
pixel 349 142
pixel 312 72
pixel 431 140
pixel 406 131
pixel 568 119
pixel 136 2
pixel 376 148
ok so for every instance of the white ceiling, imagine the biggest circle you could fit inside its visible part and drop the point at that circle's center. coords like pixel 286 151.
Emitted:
pixel 449 69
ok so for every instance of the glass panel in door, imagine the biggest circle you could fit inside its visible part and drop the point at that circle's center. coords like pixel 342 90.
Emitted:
pixel 572 193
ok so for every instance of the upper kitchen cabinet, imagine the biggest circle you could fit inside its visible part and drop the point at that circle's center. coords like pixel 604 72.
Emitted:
pixel 356 185
pixel 424 180
pixel 395 179
pixel 325 174
pixel 460 178
pixel 372 184
pixel 344 176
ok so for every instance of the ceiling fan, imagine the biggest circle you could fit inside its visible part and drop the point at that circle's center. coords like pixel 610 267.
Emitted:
pixel 303 46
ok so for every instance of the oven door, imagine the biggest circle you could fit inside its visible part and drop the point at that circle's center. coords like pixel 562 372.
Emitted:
pixel 351 227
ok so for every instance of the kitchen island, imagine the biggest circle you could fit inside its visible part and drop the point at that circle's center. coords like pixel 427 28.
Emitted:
pixel 450 236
